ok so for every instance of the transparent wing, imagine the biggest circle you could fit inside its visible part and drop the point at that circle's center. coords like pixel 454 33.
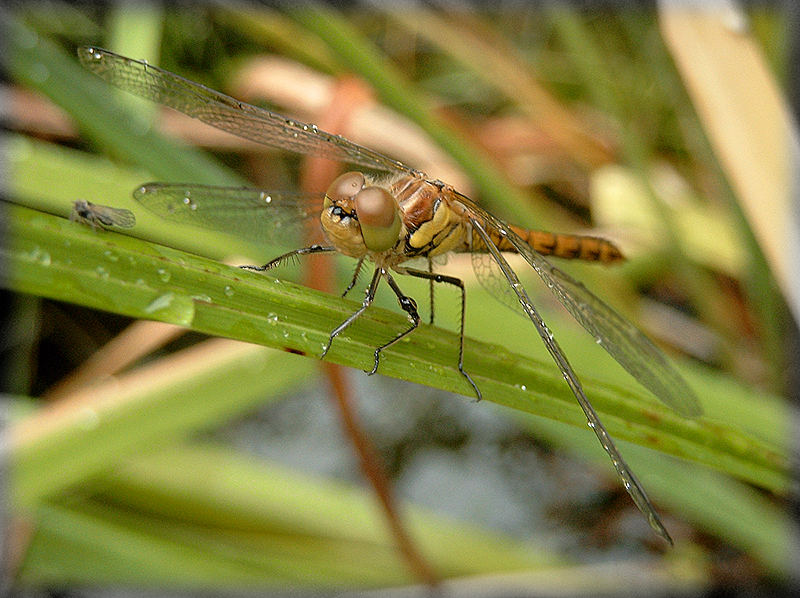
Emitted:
pixel 625 473
pixel 618 336
pixel 491 278
pixel 253 214
pixel 116 216
pixel 96 214
pixel 227 113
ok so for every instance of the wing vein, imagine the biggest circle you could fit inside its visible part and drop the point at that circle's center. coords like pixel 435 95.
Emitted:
pixel 625 473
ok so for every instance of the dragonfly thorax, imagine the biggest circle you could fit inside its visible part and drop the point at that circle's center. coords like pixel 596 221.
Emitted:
pixel 433 219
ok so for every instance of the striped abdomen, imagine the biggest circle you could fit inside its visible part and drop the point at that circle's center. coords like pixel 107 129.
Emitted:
pixel 571 247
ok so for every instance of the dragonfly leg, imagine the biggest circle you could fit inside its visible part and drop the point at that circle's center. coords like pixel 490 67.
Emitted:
pixel 434 277
pixel 289 255
pixel 409 306
pixel 355 277
pixel 368 298
pixel 430 287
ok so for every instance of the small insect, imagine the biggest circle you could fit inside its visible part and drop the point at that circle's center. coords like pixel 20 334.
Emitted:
pixel 387 223
pixel 99 216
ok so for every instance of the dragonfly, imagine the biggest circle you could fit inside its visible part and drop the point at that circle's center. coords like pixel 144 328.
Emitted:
pixel 390 221
pixel 101 217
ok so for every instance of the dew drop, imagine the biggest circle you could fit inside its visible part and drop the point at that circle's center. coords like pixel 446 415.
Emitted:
pixel 111 256
pixel 228 290
pixel 41 256
pixel 102 272
pixel 159 303
pixel 164 275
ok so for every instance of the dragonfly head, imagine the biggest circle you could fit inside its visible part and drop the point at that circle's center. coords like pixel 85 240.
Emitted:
pixel 379 216
pixel 359 218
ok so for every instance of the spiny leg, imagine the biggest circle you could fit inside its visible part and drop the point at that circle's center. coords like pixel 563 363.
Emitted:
pixel 368 298
pixel 282 258
pixel 409 306
pixel 355 277
pixel 434 277
pixel 430 287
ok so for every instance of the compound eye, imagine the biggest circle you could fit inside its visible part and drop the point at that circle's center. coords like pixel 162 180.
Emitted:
pixel 379 217
pixel 345 187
